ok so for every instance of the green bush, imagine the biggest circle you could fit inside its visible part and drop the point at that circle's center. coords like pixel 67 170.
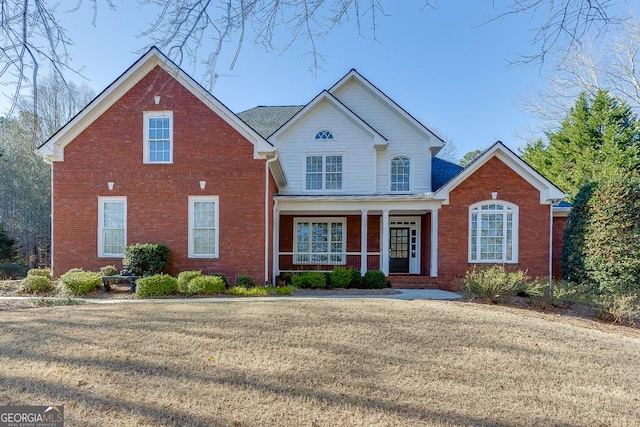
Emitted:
pixel 310 279
pixel 619 308
pixel 340 277
pixel 221 276
pixel 185 277
pixel 44 272
pixel 36 283
pixel 157 285
pixel 356 279
pixel 245 282
pixel 109 270
pixel 146 259
pixel 205 285
pixel 375 279
pixel 494 282
pixel 255 291
pixel 282 290
pixel 80 282
pixel 12 270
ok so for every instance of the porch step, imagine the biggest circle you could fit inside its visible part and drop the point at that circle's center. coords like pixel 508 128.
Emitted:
pixel 413 281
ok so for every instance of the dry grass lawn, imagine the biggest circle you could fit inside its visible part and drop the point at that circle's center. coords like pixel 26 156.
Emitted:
pixel 319 362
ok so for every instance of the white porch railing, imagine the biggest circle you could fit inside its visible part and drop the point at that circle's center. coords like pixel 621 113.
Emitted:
pixel 303 261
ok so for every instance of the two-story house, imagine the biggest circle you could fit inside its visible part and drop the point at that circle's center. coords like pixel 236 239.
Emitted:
pixel 349 179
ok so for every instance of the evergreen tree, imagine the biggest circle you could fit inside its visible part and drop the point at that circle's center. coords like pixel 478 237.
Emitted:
pixel 8 252
pixel 600 135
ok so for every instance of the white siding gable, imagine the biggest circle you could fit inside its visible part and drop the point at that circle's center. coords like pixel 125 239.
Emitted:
pixel 351 141
pixel 403 138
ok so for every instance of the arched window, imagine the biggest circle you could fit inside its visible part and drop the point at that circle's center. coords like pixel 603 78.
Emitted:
pixel 400 173
pixel 324 134
pixel 493 232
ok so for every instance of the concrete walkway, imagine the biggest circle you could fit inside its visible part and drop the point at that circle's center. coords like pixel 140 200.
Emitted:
pixel 404 294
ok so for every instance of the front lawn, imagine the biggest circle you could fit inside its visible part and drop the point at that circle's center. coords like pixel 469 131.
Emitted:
pixel 319 362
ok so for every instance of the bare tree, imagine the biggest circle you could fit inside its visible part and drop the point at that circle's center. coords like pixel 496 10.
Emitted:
pixel 33 41
pixel 610 64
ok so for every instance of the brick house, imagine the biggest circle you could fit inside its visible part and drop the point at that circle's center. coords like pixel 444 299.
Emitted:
pixel 348 179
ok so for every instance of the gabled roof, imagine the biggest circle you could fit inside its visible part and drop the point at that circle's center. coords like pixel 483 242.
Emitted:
pixel 549 193
pixel 378 139
pixel 53 148
pixel 371 88
pixel 268 119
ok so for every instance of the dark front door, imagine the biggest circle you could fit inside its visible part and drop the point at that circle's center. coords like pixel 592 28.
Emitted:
pixel 399 250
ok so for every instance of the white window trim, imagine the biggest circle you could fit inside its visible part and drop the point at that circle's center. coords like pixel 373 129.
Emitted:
pixel 101 202
pixel 328 220
pixel 192 200
pixel 515 232
pixel 145 137
pixel 391 158
pixel 324 171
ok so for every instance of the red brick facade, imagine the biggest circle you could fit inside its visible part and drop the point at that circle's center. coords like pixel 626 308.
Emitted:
pixel 533 224
pixel 206 148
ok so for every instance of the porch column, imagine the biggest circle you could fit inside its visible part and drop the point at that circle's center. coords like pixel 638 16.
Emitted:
pixel 384 250
pixel 363 241
pixel 434 243
pixel 276 242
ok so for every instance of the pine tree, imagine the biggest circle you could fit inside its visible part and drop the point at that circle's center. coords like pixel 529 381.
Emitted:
pixel 600 135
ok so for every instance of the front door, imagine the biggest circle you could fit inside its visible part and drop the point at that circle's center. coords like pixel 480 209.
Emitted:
pixel 399 250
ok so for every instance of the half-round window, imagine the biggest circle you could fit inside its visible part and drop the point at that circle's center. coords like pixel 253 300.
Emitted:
pixel 324 134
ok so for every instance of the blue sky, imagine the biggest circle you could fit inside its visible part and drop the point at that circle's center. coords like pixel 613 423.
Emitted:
pixel 442 65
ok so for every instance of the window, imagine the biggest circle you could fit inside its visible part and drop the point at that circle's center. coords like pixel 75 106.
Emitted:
pixel 319 241
pixel 203 227
pixel 158 137
pixel 323 172
pixel 400 173
pixel 493 232
pixel 324 134
pixel 112 226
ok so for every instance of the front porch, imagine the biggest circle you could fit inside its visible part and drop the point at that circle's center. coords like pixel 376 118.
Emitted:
pixel 398 237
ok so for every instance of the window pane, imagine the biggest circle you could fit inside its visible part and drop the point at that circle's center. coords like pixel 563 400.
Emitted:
pixel 159 139
pixel 204 214
pixel 113 241
pixel 113 215
pixel 204 241
pixel 400 172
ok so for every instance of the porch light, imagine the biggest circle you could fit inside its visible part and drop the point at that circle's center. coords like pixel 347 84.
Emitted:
pixel 110 185
pixel 156 99
pixel 203 184
pixel 494 195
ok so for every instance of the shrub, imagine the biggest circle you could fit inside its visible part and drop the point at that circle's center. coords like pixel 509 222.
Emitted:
pixel 356 279
pixel 285 278
pixel 185 277
pixel 44 272
pixel 245 282
pixel 282 290
pixel 221 276
pixel 340 277
pixel 157 285
pixel 146 259
pixel 109 270
pixel 310 279
pixel 494 282
pixel 375 279
pixel 80 282
pixel 255 291
pixel 206 285
pixel 12 270
pixel 535 289
pixel 36 283
pixel 619 308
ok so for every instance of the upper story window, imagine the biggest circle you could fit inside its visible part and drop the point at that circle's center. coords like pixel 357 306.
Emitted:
pixel 112 226
pixel 158 137
pixel 323 172
pixel 324 134
pixel 493 232
pixel 400 173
